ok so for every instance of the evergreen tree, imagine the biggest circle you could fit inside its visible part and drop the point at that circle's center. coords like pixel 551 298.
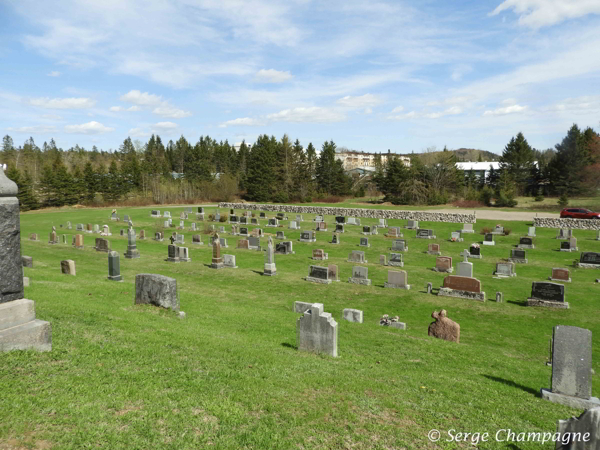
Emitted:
pixel 90 181
pixel 566 167
pixel 242 158
pixel 517 161
pixel 260 169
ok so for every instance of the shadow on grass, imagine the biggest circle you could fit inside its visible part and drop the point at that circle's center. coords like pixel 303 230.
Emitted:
pixel 258 272
pixel 515 385
pixel 285 344
pixel 517 303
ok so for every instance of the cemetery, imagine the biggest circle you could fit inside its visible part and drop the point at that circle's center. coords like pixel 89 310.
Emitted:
pixel 156 377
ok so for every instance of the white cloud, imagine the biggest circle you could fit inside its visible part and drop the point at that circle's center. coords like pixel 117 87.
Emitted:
pixel 164 126
pixel 453 110
pixel 122 108
pixel 397 109
pixel 459 71
pixel 62 103
pixel 141 98
pixel 138 132
pixel 54 73
pixel 243 121
pixel 92 127
pixel 505 110
pixel 51 117
pixel 585 103
pixel 171 112
pixel 362 101
pixel 313 114
pixel 540 13
pixel 35 129
pixel 368 110
pixel 272 76
pixel 134 108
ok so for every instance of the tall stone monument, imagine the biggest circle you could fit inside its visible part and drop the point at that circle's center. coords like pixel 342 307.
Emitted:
pixel 217 259
pixel 132 251
pixel 19 329
pixel 270 268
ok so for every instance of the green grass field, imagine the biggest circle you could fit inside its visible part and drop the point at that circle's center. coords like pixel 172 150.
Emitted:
pixel 228 376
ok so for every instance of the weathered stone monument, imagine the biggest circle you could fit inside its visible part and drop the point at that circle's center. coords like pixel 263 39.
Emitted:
pixel 67 267
pixel 571 368
pixel 526 242
pixel 570 245
pixel 357 256
pixel 102 245
pixel 505 269
pixel 318 274
pixel 443 327
pixel 489 239
pixel 217 260
pixel 114 267
pixel 580 433
pixel 364 242
pixel 561 275
pixel 475 251
pixel 467 228
pixel 397 279
pixel 443 264
pixel 319 255
pixel 399 245
pixel 396 259
pixel 307 236
pixel 462 287
pixel 353 315
pixel 517 255
pixel 229 261
pixel 425 234
pixel 270 269
pixel 157 290
pixel 360 275
pixel 19 329
pixel 132 251
pixel 434 249
pixel 589 260
pixel 317 331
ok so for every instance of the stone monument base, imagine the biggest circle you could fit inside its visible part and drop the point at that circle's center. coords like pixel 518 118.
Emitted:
pixel 317 280
pixel 117 278
pixel 396 264
pixel 396 286
pixel 546 303
pixel 364 281
pixel 450 270
pixel 435 253
pixel 132 254
pixel 20 330
pixel 426 237
pixel 576 249
pixel 560 281
pixel 526 246
pixel 581 265
pixel 467 231
pixel 475 256
pixel 217 263
pixel 307 240
pixel 270 270
pixel 518 261
pixel 489 243
pixel 501 275
pixel 447 292
pixel 567 400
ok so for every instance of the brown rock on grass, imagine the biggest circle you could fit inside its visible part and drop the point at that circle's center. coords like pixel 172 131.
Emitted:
pixel 443 327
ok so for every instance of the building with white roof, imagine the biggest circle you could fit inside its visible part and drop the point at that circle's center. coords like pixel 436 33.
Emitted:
pixel 480 169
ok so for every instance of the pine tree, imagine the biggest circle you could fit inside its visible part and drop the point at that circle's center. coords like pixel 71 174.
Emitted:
pixel 568 164
pixel 90 181
pixel 518 160
pixel 260 169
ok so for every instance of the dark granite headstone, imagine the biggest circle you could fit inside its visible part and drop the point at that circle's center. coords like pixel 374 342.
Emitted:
pixel 547 291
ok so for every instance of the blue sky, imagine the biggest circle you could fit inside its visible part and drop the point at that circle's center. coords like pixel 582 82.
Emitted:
pixel 370 75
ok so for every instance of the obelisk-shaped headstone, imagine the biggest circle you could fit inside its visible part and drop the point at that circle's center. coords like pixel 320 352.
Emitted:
pixel 270 269
pixel 217 260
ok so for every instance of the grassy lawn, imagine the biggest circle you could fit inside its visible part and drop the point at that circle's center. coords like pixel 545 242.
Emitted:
pixel 229 376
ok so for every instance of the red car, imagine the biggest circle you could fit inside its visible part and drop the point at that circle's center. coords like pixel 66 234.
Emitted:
pixel 578 213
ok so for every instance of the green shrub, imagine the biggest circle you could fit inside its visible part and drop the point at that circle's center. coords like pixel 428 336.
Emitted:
pixel 485 196
pixel 281 197
pixel 223 218
pixel 563 200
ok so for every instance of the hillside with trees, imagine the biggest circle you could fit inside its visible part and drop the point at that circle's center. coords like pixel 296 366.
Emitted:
pixel 272 170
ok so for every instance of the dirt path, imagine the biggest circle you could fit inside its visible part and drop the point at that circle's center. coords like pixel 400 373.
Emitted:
pixel 490 214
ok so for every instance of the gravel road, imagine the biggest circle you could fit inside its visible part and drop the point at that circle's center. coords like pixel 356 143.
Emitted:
pixel 490 214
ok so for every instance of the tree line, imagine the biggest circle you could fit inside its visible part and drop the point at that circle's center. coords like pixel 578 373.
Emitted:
pixel 272 170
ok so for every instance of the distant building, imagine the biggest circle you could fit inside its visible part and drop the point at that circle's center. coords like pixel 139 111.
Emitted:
pixel 353 160
pixel 480 169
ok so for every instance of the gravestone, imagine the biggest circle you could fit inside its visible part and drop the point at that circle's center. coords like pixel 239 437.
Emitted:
pixel 179 238
pixel 383 223
pixel 425 234
pixel 352 315
pixel 571 368
pixel 64 238
pixel 69 226
pixel 563 233
pixel 106 231
pixel 397 279
pixel 96 228
pixel 273 223
pixel 194 228
pixel 318 218
pixel 499 229
pixel 499 297
pixel 165 225
pixel 217 217
pixel 317 331
pixel 518 255
pixel 589 260
pixel 412 224
pixel 114 267
pixel 561 275
pixel 570 245
pixel 243 220
pixel 546 293
pixel 197 240
pixel 335 239
pixel 200 210
pixel 229 261
pixel 159 236
pixel 254 243
pixel 157 290
pixel 429 287
pixel 488 239
pixel 280 235
pixel 318 274
pixel 580 433
pixel 122 232
pixel 280 216
pixel 307 236
pixel 172 253
pixel 19 329
pixel 434 249
pixel 299 218
pixel 79 227
pixel 102 245
pixel 27 261
pixel 366 229
pixel 475 251
pixel 353 221
pixel 443 264
pixel 67 267
pixel 155 213
pixel 357 256
pixel 339 228
pixel 243 231
pixel 399 245
pixel 505 270
pixel 270 269
pixel 233 218
pixel 253 221
pixel 234 230
pixel 243 244
pixel 183 254
pixel 132 251
pixel 217 260
pixel 53 239
pixel 89 228
pixel 462 287
pixel 382 260
pixel 319 255
pixel 360 275
pixel 181 225
pixel 125 218
pixel 332 270
pixel 396 260
pixel 284 248
pixel 262 215
pixel 364 242
pixel 257 232
pixel 467 228
pixel 465 269
pixel 443 327
pixel 393 232
pixel 526 242
pixel 294 225
pixel 34 237
pixel 531 232
pixel 79 241
pixel 321 226
pixel 340 219
pixel 455 237
pixel 232 211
